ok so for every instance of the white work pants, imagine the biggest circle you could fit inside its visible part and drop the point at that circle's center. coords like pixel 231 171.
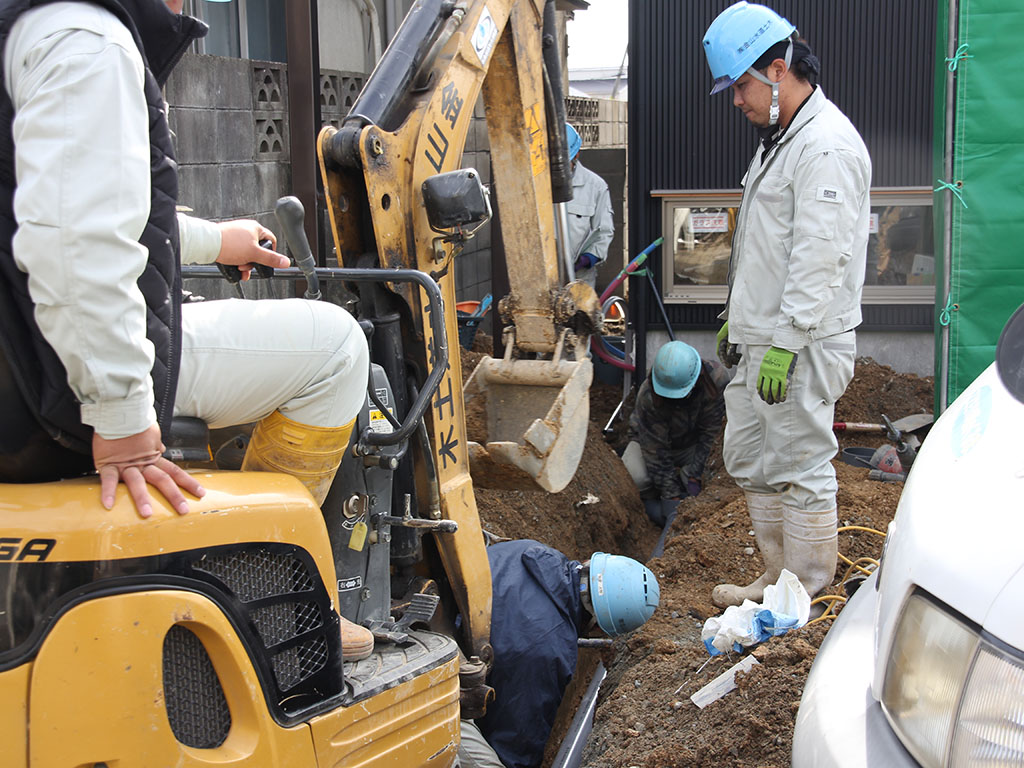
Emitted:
pixel 787 448
pixel 242 360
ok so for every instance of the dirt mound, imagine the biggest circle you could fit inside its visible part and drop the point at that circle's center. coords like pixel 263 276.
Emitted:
pixel 644 714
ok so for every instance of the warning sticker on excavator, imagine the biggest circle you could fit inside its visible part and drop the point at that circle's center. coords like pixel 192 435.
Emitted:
pixel 379 422
pixel 485 36
pixel 538 157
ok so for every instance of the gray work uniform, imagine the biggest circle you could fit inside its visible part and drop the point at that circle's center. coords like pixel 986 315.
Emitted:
pixel 795 279
pixel 591 226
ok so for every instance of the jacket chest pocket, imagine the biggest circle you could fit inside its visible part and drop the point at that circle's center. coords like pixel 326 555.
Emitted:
pixel 775 191
pixel 582 209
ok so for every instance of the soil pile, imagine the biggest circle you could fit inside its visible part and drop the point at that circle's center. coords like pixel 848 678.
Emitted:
pixel 644 715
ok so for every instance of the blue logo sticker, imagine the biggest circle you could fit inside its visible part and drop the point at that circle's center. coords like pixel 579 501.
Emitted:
pixel 972 422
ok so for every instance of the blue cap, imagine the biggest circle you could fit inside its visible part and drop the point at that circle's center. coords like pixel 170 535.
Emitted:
pixel 575 142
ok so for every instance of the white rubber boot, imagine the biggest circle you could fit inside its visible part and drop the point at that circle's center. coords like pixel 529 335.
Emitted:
pixel 810 546
pixel 766 519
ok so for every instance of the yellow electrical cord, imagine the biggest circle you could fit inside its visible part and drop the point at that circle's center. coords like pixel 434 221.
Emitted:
pixel 854 565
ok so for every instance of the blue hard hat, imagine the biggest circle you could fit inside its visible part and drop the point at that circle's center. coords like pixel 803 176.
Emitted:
pixel 574 140
pixel 623 592
pixel 676 368
pixel 738 37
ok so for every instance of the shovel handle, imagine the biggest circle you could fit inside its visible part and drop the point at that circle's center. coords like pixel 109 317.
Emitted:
pixel 857 426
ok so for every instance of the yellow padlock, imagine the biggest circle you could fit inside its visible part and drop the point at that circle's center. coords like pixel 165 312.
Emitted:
pixel 358 538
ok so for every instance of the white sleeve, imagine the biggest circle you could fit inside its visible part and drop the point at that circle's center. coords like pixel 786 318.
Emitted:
pixel 82 162
pixel 200 240
pixel 830 187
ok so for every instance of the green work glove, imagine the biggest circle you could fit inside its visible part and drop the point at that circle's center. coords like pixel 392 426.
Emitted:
pixel 728 353
pixel 776 372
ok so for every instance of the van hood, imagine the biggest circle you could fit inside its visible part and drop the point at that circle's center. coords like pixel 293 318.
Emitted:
pixel 959 528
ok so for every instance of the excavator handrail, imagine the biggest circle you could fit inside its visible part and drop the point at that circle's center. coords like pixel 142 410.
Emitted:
pixel 365 275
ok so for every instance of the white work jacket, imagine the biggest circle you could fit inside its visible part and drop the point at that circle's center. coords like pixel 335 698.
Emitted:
pixel 798 254
pixel 82 156
pixel 591 226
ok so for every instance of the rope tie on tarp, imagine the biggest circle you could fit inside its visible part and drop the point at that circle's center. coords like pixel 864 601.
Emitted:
pixel 945 314
pixel 953 187
pixel 960 55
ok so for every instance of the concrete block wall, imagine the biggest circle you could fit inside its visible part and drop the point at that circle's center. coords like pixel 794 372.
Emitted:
pixel 230 122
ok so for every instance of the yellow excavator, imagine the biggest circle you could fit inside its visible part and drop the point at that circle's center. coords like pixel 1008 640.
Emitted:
pixel 213 638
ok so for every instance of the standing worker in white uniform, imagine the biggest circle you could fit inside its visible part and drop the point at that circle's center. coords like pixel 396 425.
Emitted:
pixel 591 226
pixel 795 279
pixel 101 346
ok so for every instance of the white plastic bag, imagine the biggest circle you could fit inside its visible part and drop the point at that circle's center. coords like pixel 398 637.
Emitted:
pixel 786 605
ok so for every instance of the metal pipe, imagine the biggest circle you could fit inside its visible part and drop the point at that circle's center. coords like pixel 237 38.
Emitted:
pixel 562 237
pixel 359 275
pixel 947 210
pixel 570 754
pixel 554 97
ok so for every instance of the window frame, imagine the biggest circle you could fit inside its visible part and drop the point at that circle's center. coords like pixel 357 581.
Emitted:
pixel 727 198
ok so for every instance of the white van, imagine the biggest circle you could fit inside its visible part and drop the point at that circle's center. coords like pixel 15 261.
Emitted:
pixel 925 664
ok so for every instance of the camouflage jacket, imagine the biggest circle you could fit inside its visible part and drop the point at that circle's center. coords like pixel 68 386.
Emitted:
pixel 676 436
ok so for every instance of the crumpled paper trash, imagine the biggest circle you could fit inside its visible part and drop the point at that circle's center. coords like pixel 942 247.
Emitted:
pixel 786 605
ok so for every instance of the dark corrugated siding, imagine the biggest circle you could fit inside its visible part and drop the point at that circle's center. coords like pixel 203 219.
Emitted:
pixel 877 66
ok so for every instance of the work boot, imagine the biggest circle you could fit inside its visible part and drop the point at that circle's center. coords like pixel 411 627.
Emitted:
pixel 356 641
pixel 311 454
pixel 810 546
pixel 766 519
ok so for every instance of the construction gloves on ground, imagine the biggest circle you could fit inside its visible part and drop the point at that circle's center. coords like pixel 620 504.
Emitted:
pixel 585 261
pixel 776 372
pixel 728 353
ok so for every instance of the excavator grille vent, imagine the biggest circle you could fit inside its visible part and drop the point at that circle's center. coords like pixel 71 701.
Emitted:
pixel 277 623
pixel 275 590
pixel 294 665
pixel 196 707
pixel 255 573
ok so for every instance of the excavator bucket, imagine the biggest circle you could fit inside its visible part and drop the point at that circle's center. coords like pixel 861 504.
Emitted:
pixel 527 421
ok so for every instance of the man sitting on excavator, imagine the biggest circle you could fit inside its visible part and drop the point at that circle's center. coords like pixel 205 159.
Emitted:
pixel 92 323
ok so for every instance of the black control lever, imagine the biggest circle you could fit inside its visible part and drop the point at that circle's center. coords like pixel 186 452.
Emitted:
pixel 290 214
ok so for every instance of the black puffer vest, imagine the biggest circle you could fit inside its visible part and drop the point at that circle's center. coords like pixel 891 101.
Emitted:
pixel 41 379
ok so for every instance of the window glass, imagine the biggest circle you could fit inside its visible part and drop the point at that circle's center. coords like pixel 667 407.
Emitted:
pixel 900 246
pixel 698 228
pixel 223 20
pixel 702 244
pixel 265 21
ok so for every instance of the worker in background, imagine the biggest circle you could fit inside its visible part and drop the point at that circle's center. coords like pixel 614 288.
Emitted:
pixel 542 603
pixel 675 421
pixel 796 273
pixel 90 248
pixel 591 226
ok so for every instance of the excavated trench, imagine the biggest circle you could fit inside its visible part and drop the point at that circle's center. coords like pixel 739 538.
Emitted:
pixel 637 688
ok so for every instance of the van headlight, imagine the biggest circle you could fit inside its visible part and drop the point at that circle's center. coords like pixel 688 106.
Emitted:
pixel 954 698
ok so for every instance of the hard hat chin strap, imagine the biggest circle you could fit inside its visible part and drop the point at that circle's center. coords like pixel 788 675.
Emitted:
pixel 773 114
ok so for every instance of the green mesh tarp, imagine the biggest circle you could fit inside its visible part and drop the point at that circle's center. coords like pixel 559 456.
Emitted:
pixel 986 228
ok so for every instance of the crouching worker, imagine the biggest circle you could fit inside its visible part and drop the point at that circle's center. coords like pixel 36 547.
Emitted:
pixel 677 416
pixel 542 603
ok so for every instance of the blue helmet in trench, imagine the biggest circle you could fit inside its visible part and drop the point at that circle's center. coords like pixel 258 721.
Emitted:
pixel 623 592
pixel 676 368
